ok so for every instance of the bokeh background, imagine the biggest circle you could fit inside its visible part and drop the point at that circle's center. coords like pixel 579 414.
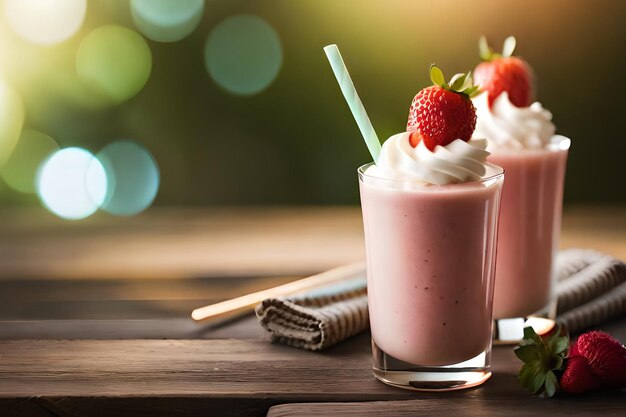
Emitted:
pixel 232 102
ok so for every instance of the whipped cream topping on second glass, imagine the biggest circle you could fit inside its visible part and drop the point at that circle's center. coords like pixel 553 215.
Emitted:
pixel 458 161
pixel 510 127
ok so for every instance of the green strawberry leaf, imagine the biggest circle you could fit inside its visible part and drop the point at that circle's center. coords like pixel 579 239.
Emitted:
pixel 458 81
pixel 551 384
pixel 527 373
pixel 488 54
pixel 527 353
pixel 558 344
pixel 471 91
pixel 485 52
pixel 531 337
pixel 467 81
pixel 436 76
pixel 509 46
pixel 536 384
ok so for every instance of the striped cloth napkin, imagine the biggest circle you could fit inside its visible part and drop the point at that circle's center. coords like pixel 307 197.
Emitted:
pixel 591 289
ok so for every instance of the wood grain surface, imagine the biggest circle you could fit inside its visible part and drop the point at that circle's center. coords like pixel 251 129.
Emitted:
pixel 232 377
pixel 94 319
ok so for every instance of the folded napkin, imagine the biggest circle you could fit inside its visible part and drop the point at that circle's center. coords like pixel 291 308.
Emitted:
pixel 319 318
pixel 591 289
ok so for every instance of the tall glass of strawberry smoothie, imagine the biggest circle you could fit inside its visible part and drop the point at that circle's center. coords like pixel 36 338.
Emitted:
pixel 430 212
pixel 522 140
pixel 431 252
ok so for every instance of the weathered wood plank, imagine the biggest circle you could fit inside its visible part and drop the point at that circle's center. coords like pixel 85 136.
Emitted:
pixel 152 406
pixel 252 368
pixel 232 377
pixel 179 328
pixel 236 377
pixel 23 407
pixel 606 405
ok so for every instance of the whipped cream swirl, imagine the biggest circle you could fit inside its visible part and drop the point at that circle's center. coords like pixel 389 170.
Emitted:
pixel 458 161
pixel 509 127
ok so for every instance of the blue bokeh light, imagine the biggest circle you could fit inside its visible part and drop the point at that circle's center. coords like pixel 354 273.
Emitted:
pixel 133 177
pixel 166 20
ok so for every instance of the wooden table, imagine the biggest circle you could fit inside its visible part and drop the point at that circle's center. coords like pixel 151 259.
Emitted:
pixel 93 320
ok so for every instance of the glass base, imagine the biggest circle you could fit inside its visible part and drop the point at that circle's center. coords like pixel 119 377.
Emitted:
pixel 409 376
pixel 510 330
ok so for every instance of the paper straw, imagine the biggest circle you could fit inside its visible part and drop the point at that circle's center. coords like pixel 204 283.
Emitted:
pixel 244 304
pixel 353 100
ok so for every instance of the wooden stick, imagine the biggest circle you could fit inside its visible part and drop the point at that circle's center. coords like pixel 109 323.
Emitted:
pixel 244 304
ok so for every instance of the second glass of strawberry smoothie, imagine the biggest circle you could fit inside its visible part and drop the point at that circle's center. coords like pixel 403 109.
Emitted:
pixel 530 224
pixel 431 252
pixel 522 139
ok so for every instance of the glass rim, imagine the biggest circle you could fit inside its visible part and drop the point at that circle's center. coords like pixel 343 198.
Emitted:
pixel 498 176
pixel 557 143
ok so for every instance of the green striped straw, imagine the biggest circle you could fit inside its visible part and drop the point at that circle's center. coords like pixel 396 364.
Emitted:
pixel 353 100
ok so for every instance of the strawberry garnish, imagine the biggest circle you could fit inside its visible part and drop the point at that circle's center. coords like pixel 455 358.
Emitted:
pixel 504 72
pixel 443 112
pixel 595 361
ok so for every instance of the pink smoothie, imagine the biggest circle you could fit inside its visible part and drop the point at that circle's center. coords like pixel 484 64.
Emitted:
pixel 430 267
pixel 530 222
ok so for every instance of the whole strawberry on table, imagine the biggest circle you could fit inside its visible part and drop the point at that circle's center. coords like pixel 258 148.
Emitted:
pixel 595 361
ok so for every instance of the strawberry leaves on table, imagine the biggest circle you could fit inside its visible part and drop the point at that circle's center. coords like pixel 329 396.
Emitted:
pixel 542 358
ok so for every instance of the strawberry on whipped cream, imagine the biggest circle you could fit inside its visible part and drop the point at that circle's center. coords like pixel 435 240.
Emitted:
pixel 436 148
pixel 505 114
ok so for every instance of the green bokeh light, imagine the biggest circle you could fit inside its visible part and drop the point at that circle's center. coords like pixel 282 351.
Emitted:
pixel 114 61
pixel 20 170
pixel 243 54
pixel 132 177
pixel 11 120
pixel 166 20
